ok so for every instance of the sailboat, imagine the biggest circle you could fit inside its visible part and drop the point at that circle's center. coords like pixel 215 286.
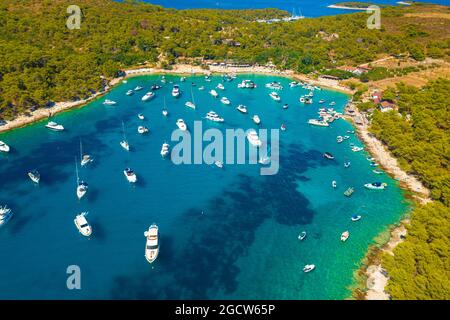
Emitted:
pixel 190 104
pixel 124 142
pixel 164 111
pixel 85 158
pixel 82 187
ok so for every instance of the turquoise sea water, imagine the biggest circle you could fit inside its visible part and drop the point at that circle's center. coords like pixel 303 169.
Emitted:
pixel 227 233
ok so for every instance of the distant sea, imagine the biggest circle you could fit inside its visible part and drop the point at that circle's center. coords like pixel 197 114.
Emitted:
pixel 309 8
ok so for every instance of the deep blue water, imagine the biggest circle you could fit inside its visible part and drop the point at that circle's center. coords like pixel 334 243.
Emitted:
pixel 227 233
pixel 309 8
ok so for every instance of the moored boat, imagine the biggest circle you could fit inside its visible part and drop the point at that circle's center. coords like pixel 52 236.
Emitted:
pixel 4 147
pixel 5 215
pixel 225 100
pixel 214 117
pixel 142 129
pixel 176 91
pixel 319 123
pixel 108 102
pixel 181 125
pixel 141 116
pixel 82 224
pixel 247 84
pixel 242 108
pixel 152 243
pixel 130 175
pixel 328 155
pixel 54 126
pixel 308 268
pixel 34 176
pixel 165 150
pixel 344 236
pixel 355 217
pixel 376 186
pixel 148 96
pixel 274 85
pixel 275 96
pixel 349 192
pixel 253 138
pixel 256 119
pixel 130 93
pixel 213 93
pixel 302 235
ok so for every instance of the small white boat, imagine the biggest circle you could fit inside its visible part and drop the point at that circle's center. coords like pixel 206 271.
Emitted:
pixel 377 171
pixel 264 160
pixel 219 164
pixel 345 235
pixel 82 224
pixel 165 150
pixel 328 156
pixel 214 117
pixel 308 101
pixel 339 139
pixel 302 235
pixel 34 176
pixel 108 102
pixel 148 96
pixel 275 96
pixel 124 144
pixel 225 100
pixel 321 101
pixel 213 93
pixel 82 189
pixel 334 184
pixel 85 158
pixel 247 84
pixel 130 175
pixel 256 119
pixel 165 113
pixel 141 116
pixel 242 108
pixel 138 88
pixel 319 123
pixel 220 87
pixel 181 125
pixel 274 85
pixel 176 91
pixel 355 218
pixel 5 215
pixel 142 129
pixel 308 268
pixel 152 244
pixel 376 186
pixel 294 84
pixel 302 99
pixel 357 149
pixel 4 147
pixel 332 103
pixel 253 138
pixel 130 93
pixel 190 104
pixel 283 127
pixel 285 106
pixel 54 126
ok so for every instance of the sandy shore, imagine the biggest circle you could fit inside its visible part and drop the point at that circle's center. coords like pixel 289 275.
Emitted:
pixel 182 69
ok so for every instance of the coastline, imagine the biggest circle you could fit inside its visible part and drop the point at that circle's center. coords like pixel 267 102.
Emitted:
pixel 334 6
pixel 181 69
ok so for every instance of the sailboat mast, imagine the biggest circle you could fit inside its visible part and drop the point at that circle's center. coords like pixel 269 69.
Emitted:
pixel 123 130
pixel 76 170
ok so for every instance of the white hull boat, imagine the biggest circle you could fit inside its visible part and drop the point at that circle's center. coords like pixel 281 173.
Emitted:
pixel 130 175
pixel 152 244
pixel 4 147
pixel 54 126
pixel 82 224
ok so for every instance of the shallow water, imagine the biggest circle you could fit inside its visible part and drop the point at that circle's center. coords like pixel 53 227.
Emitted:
pixel 227 233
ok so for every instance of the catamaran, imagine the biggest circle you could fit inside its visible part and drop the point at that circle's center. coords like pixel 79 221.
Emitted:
pixel 82 224
pixel 130 175
pixel 5 215
pixel 85 158
pixel 4 147
pixel 54 126
pixel 34 176
pixel 148 96
pixel 213 93
pixel 225 100
pixel 181 125
pixel 108 102
pixel 256 119
pixel 142 129
pixel 275 96
pixel 242 108
pixel 376 186
pixel 214 117
pixel 124 143
pixel 165 150
pixel 176 91
pixel 152 244
pixel 253 138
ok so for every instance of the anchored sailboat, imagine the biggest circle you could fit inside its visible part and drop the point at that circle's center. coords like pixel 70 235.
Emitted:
pixel 124 142
pixel 82 187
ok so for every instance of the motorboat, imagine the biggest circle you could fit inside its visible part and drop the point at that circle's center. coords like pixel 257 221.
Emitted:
pixel 374 164
pixel 256 119
pixel 191 104
pixel 201 88
pixel 82 224
pixel 275 85
pixel 319 123
pixel 4 147
pixel 294 84
pixel 5 215
pixel 253 138
pixel 54 126
pixel 321 101
pixel 355 217
pixel 344 236
pixel 176 91
pixel 264 160
pixel 155 87
pixel 214 117
pixel 142 129
pixel 152 243
pixel 108 102
pixel 376 186
pixel 220 86
pixel 213 93
pixel 85 158
pixel 351 131
pixel 285 106
pixel 247 84
pixel 308 268
pixel 34 176
pixel 130 93
pixel 349 192
pixel 346 137
pixel 141 116
pixel 377 171
pixel 328 155
pixel 219 164
pixel 334 184
pixel 165 150
pixel 370 159
pixel 130 175
pixel 148 96
pixel 283 127
pixel 339 139
pixel 225 100
pixel 357 149
pixel 242 108
pixel 275 96
pixel 181 125
pixel 124 144
pixel 302 235
pixel 82 189
pixel 138 88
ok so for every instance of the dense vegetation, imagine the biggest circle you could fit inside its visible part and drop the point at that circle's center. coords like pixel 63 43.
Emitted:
pixel 419 136
pixel 44 61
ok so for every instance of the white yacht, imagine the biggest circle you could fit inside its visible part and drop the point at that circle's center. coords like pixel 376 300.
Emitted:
pixel 308 268
pixel 247 84
pixel 54 126
pixel 275 96
pixel 85 158
pixel 130 93
pixel 82 224
pixel 130 175
pixel 148 96
pixel 344 236
pixel 138 88
pixel 253 138
pixel 176 91
pixel 256 119
pixel 5 215
pixel 141 116
pixel 165 150
pixel 181 125
pixel 142 129
pixel 220 87
pixel 376 186
pixel 225 100
pixel 4 147
pixel 152 244
pixel 242 108
pixel 274 85
pixel 34 176
pixel 213 93
pixel 357 149
pixel 108 102
pixel 82 189
pixel 214 117
pixel 319 123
